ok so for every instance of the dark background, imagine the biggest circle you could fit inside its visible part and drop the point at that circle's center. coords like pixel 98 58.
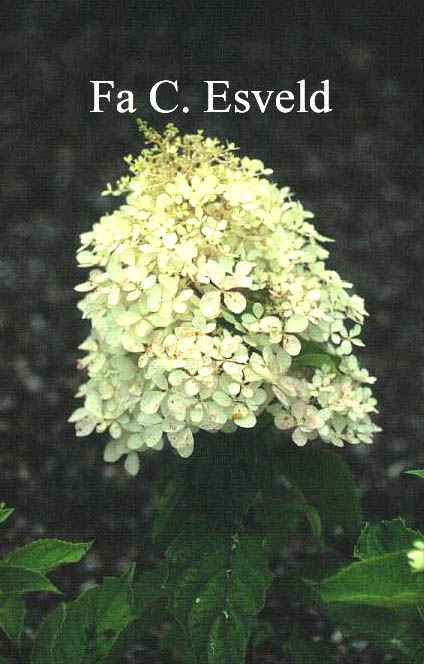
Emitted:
pixel 359 168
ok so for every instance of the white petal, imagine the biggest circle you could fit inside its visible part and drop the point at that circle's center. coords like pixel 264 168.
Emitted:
pixel 115 430
pixel 191 388
pixel 135 441
pixel 131 343
pixel 143 328
pixel 247 422
pixel 78 414
pixel 296 324
pixel 281 396
pixel 183 442
pixel 152 435
pixel 299 437
pixel 291 344
pixel 112 452
pixel 210 304
pixel 170 240
pixel 177 406
pixel 284 421
pixel 84 427
pixel 148 282
pixel 222 399
pixel 128 318
pixel 150 402
pixel 196 413
pixel 84 287
pixel 235 302
pixel 132 463
pixel 185 295
pixel 93 404
pixel 216 272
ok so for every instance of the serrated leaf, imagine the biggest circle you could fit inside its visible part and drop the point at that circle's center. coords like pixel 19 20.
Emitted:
pixel 385 581
pixel 12 616
pixel 5 513
pixel 90 626
pixel 216 585
pixel 385 537
pixel 45 555
pixel 327 483
pixel 18 580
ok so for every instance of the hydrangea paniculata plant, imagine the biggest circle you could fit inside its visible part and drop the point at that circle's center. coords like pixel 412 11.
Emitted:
pixel 210 302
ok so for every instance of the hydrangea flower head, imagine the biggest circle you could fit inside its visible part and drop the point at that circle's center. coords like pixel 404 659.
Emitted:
pixel 210 303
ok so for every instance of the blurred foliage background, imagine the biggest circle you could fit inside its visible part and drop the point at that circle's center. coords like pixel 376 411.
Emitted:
pixel 359 169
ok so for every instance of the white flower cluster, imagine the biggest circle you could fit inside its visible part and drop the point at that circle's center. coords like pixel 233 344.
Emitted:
pixel 210 303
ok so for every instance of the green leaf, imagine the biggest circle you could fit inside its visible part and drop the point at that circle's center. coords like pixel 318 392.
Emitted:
pixel 19 580
pixel 418 473
pixel 385 537
pixel 216 585
pixel 173 508
pixel 317 360
pixel 149 592
pixel 314 521
pixel 220 482
pixel 225 477
pixel 46 637
pixel 300 583
pixel 12 616
pixel 45 555
pixel 150 608
pixel 280 513
pixel 5 512
pixel 385 581
pixel 327 483
pixel 87 629
pixel 379 598
pixel 313 355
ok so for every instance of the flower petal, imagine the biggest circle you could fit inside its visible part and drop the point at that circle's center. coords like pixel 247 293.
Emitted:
pixel 235 302
pixel 210 304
